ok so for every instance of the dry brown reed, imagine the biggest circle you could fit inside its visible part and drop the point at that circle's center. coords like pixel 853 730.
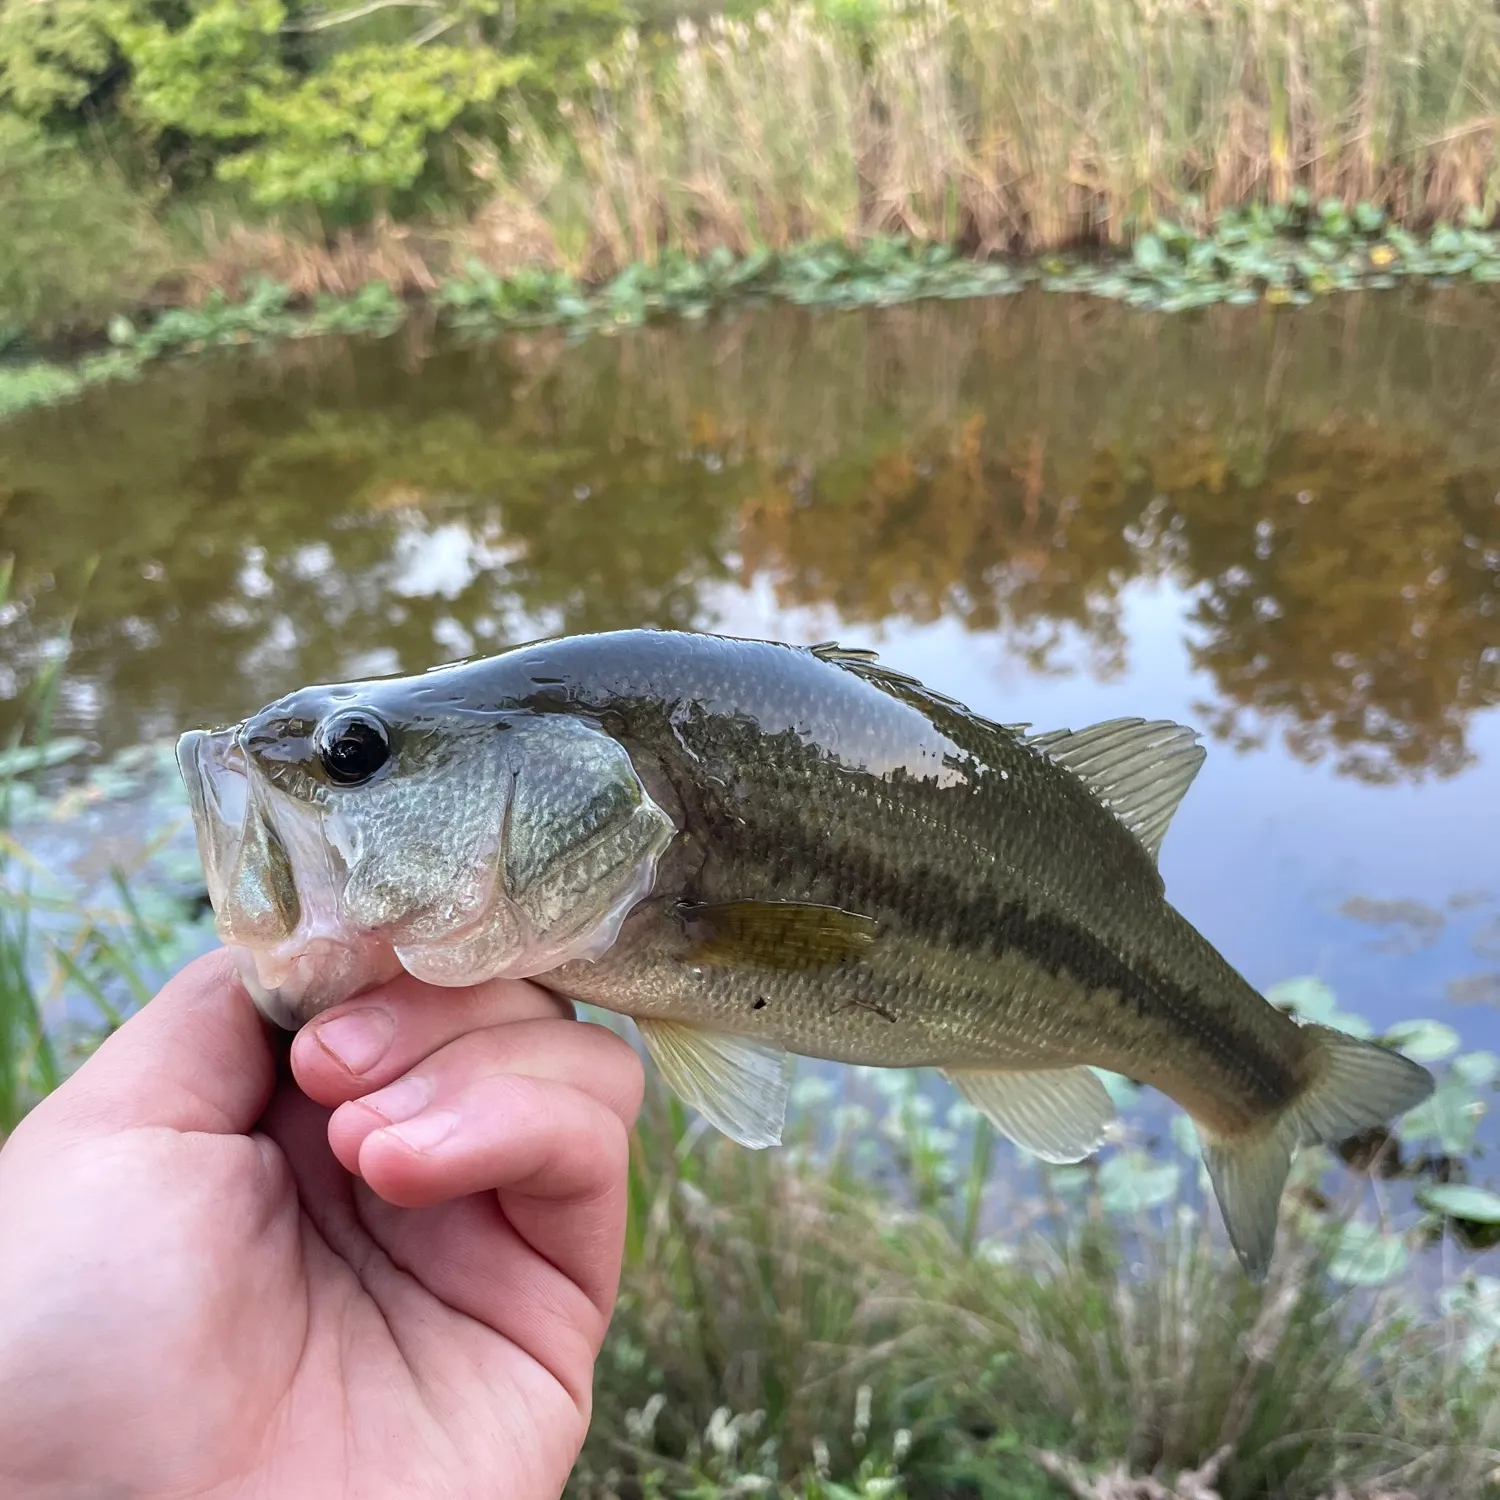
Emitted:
pixel 1011 125
pixel 407 258
pixel 1015 126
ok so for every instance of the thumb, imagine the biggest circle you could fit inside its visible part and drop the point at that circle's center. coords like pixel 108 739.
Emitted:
pixel 197 1058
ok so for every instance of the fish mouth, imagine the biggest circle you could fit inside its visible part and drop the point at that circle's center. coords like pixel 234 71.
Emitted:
pixel 217 780
pixel 319 963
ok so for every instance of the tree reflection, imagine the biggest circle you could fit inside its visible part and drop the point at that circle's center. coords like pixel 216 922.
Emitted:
pixel 1353 591
pixel 1324 487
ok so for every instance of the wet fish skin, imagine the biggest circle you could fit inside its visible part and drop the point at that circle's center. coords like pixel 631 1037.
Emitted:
pixel 855 868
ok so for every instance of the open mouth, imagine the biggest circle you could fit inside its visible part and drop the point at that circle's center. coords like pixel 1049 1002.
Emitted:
pixel 290 974
pixel 214 772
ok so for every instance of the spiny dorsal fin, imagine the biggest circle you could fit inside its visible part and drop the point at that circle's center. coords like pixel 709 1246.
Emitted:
pixel 867 664
pixel 832 651
pixel 1139 769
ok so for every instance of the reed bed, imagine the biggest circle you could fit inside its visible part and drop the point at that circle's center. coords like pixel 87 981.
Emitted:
pixel 1017 126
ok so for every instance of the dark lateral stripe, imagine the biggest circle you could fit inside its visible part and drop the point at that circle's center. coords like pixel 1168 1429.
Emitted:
pixel 937 907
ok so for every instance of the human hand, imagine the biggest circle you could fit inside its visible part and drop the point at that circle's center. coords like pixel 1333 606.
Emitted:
pixel 214 1283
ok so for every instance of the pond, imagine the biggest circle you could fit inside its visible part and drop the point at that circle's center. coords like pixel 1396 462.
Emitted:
pixel 1280 526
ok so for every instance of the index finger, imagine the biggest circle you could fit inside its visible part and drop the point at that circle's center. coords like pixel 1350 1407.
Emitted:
pixel 372 1040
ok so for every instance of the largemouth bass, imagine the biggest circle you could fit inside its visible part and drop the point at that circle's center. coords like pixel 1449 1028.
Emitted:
pixel 756 850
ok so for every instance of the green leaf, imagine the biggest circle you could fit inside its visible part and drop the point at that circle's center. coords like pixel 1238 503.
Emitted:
pixel 1477 1068
pixel 1450 1117
pixel 1150 255
pixel 1461 1200
pixel 1121 1089
pixel 1308 998
pixel 1068 1179
pixel 1185 1134
pixel 1132 1182
pixel 1423 1041
pixel 23 758
pixel 1367 1256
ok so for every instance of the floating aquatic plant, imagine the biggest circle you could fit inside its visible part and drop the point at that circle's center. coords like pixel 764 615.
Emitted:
pixel 1281 254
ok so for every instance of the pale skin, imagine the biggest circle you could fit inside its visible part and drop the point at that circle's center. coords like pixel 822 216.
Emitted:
pixel 386 1275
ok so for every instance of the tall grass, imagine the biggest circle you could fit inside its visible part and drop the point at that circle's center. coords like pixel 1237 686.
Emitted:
pixel 28 1059
pixel 782 1320
pixel 1020 125
pixel 69 972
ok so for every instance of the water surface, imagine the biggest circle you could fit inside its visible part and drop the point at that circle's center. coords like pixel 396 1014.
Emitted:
pixel 1280 526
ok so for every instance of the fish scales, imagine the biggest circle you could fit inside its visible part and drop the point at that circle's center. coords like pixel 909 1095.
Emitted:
pixel 809 821
pixel 757 850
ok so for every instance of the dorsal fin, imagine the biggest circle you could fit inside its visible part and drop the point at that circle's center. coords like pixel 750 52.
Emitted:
pixel 1138 768
pixel 867 664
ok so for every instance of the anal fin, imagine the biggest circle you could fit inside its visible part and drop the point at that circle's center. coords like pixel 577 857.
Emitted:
pixel 739 1086
pixel 1058 1114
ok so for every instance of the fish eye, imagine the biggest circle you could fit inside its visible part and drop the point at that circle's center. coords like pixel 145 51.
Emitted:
pixel 352 748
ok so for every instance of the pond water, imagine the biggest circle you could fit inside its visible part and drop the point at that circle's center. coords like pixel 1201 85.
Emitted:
pixel 1280 526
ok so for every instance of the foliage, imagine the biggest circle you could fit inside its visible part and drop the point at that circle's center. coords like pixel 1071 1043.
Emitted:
pixel 77 239
pixel 52 56
pixel 359 125
pixel 1278 261
pixel 1019 126
pixel 360 128
pixel 1254 150
pixel 78 955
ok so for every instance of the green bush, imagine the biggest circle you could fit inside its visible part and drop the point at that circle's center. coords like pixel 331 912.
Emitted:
pixel 52 56
pixel 78 241
pixel 343 135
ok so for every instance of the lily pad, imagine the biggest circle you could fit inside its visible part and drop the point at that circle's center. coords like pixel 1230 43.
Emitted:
pixel 1475 1303
pixel 1132 1182
pixel 1185 1134
pixel 1450 1117
pixel 1120 1089
pixel 1423 1041
pixel 1151 255
pixel 23 758
pixel 1308 998
pixel 1367 1256
pixel 1477 1068
pixel 1462 1200
pixel 1068 1179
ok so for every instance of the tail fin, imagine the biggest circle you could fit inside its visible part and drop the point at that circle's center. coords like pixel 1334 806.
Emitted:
pixel 1352 1086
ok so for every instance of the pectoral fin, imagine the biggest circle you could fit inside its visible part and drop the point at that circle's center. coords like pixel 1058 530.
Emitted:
pixel 1059 1115
pixel 774 934
pixel 737 1085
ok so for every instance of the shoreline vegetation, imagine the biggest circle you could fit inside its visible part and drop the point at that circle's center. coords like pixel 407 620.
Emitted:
pixel 221 172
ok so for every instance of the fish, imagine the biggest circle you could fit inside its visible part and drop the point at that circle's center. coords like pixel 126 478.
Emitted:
pixel 758 850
